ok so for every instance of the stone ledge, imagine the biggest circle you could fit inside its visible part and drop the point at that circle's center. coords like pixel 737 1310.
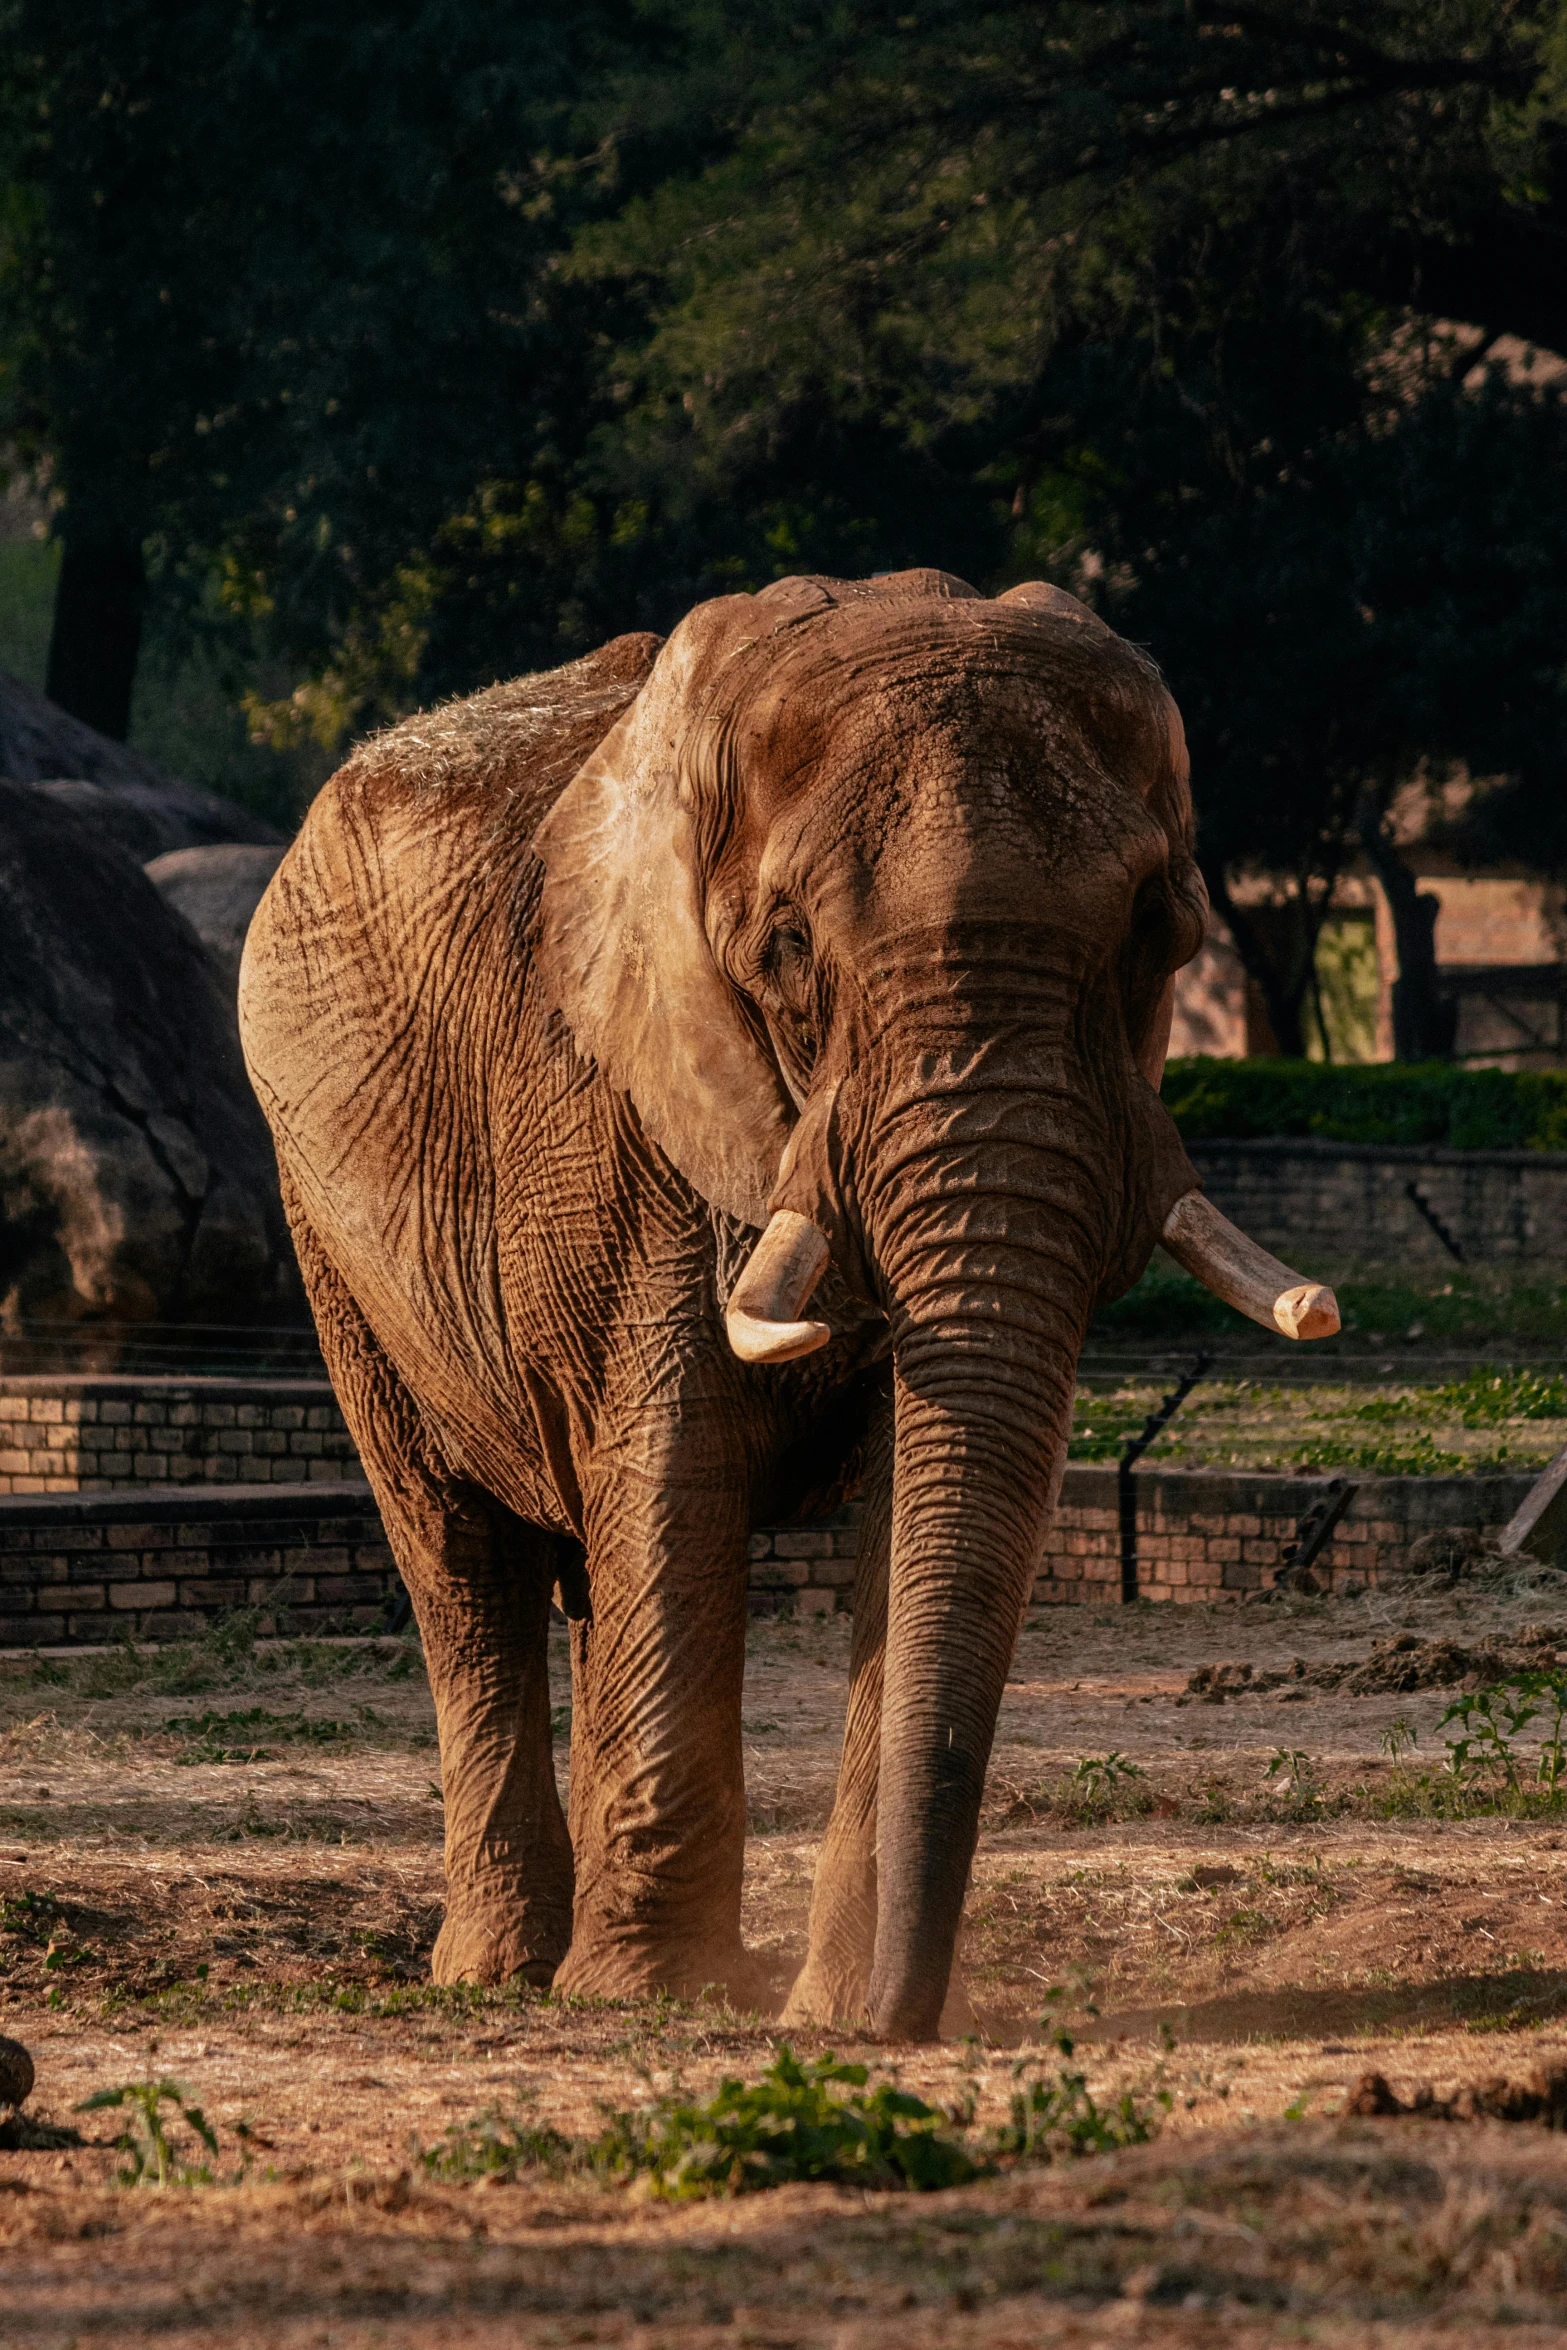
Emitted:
pixel 180 1505
pixel 1398 1154
pixel 114 1385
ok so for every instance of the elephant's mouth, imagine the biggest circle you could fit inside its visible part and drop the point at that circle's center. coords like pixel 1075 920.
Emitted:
pixel 765 1312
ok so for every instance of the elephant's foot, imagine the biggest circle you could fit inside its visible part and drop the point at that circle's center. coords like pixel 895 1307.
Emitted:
pixel 957 2011
pixel 494 1942
pixel 827 1992
pixel 618 1969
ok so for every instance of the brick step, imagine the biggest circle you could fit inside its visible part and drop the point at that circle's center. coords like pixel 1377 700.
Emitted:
pixel 163 1563
pixel 94 1567
pixel 101 1432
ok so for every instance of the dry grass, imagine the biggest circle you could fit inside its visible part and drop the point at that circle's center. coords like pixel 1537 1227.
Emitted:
pixel 257 1927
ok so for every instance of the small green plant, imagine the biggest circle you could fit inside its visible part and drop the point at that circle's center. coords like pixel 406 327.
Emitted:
pixel 1049 2117
pixel 1102 1774
pixel 1397 1740
pixel 30 1916
pixel 498 2145
pixel 116 1670
pixel 792 2124
pixel 1490 1720
pixel 152 2157
pixel 1291 1771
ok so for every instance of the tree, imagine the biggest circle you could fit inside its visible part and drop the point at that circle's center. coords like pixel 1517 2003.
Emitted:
pixel 1154 286
pixel 274 293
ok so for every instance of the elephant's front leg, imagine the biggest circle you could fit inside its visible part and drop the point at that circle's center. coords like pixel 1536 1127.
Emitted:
pixel 657 1781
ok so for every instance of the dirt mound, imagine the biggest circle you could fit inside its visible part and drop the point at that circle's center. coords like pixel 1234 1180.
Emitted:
pixel 1395 1667
pixel 1540 2097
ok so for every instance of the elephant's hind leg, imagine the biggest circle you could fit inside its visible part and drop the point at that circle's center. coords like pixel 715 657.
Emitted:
pixel 480 1582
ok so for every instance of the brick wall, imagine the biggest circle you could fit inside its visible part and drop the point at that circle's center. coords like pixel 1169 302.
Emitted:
pixel 99 1567
pixel 1210 1534
pixel 91 1567
pixel 1202 1534
pixel 1350 1204
pixel 98 1434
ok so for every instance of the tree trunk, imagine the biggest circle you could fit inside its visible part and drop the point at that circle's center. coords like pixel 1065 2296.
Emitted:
pixel 1425 1025
pixel 96 636
pixel 1284 979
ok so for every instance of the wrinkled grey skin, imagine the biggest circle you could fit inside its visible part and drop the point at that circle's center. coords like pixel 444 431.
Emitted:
pixel 861 900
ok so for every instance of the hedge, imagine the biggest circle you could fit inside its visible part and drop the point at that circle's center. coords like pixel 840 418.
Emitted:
pixel 1400 1102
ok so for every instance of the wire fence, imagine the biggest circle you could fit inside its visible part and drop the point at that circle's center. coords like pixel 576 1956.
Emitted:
pixel 170 1350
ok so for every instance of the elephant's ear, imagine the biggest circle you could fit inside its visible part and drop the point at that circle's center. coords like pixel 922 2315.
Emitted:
pixel 622 945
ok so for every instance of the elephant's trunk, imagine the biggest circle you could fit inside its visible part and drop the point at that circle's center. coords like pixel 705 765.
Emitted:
pixel 991 1259
pixel 977 1465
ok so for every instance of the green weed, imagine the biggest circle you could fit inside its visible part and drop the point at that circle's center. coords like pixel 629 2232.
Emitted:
pixel 153 2158
pixel 1491 1719
pixel 32 1917
pixel 1050 2117
pixel 208 1733
pixel 791 2124
pixel 498 2145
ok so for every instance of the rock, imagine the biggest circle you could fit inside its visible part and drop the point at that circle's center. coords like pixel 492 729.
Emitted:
pixel 137 1179
pixel 16 2072
pixel 125 797
pixel 217 890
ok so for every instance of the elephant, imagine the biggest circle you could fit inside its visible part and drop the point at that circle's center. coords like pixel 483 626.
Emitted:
pixel 848 917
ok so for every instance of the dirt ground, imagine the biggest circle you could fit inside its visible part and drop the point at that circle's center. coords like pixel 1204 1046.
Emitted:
pixel 222 1864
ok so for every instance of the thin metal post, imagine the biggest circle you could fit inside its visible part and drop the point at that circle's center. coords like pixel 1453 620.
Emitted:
pixel 1132 1452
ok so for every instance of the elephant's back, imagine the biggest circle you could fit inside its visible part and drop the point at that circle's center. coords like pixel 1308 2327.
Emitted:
pixel 409 845
pixel 512 748
pixel 388 1028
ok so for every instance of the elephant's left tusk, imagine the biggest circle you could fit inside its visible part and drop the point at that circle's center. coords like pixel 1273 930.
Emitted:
pixel 1205 1243
pixel 762 1317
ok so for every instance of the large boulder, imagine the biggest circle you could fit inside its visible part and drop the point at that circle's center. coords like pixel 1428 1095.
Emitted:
pixel 124 796
pixel 136 1174
pixel 217 891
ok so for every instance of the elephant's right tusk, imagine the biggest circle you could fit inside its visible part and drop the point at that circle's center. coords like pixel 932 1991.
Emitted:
pixel 762 1317
pixel 1221 1257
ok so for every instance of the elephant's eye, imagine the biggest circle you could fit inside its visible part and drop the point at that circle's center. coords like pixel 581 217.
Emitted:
pixel 790 996
pixel 788 964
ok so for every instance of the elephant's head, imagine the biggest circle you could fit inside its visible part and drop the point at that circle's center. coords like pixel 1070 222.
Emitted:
pixel 873 903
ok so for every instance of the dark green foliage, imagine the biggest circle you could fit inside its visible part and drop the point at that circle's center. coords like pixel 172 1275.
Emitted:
pixel 406 348
pixel 797 2123
pixel 1048 2118
pixel 1456 1109
pixel 498 2145
pixel 788 2125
